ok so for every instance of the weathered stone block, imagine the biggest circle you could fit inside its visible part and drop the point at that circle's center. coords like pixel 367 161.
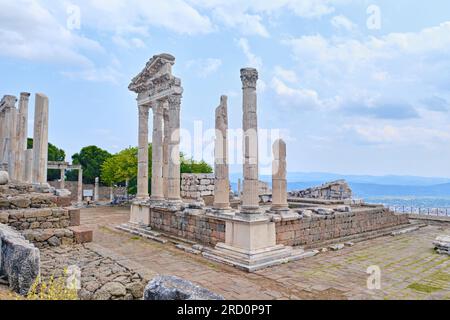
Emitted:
pixel 19 260
pixel 75 217
pixel 174 288
pixel 82 234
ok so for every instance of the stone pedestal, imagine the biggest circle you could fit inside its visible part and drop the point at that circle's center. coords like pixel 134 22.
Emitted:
pixel 140 213
pixel 250 244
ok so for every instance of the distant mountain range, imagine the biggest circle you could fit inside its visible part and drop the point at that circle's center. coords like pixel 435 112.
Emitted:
pixel 365 186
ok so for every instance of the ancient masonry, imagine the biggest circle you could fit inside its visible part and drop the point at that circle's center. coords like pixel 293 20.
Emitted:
pixel 336 190
pixel 33 215
pixel 249 235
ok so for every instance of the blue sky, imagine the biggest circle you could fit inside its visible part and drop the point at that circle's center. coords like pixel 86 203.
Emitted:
pixel 347 96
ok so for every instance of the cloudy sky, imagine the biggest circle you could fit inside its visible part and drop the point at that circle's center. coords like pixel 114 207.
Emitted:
pixel 354 86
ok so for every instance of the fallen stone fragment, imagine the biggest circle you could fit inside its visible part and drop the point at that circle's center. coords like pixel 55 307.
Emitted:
pixel 337 247
pixel 19 260
pixel 4 178
pixel 442 245
pixel 174 288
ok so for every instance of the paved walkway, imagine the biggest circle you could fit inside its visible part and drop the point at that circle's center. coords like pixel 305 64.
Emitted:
pixel 409 267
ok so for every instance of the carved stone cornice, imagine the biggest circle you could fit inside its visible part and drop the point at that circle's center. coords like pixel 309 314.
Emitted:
pixel 249 77
pixel 157 70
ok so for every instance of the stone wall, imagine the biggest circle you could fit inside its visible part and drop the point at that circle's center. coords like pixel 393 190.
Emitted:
pixel 336 190
pixel 45 227
pixel 315 229
pixel 193 225
pixel 104 192
pixel 196 186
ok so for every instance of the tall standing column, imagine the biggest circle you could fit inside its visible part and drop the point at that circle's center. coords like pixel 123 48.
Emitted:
pixel 28 178
pixel 13 154
pixel 62 183
pixel 279 182
pixel 80 186
pixel 250 199
pixel 96 190
pixel 2 135
pixel 174 175
pixel 40 140
pixel 157 151
pixel 142 180
pixel 222 184
pixel 166 155
pixel 23 134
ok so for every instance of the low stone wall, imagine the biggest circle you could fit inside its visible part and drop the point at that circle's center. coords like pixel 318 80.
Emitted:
pixel 19 260
pixel 316 229
pixel 193 225
pixel 46 227
pixel 104 192
pixel 196 186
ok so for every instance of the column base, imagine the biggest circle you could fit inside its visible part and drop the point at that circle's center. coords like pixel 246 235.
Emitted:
pixel 254 260
pixel 140 213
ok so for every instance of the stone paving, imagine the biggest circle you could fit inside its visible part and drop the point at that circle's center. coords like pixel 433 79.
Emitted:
pixel 409 267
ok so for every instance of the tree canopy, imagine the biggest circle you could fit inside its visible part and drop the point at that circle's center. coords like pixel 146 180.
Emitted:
pixel 91 158
pixel 123 166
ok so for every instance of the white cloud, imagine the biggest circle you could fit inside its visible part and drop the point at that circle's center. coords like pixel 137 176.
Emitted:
pixel 30 31
pixel 285 74
pixel 204 67
pixel 385 134
pixel 342 22
pixel 398 69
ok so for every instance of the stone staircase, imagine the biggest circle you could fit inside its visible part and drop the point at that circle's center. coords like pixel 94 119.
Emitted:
pixel 142 231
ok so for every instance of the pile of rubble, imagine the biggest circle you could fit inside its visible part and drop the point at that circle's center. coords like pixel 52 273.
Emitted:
pixel 336 190
pixel 442 244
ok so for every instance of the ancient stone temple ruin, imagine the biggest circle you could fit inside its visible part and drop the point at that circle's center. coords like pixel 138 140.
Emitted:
pixel 32 214
pixel 251 234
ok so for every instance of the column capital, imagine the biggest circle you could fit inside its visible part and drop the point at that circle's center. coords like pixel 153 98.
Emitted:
pixel 25 96
pixel 174 101
pixel 249 77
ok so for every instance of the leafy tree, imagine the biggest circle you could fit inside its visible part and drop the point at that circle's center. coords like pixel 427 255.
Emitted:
pixel 91 159
pixel 54 154
pixel 123 166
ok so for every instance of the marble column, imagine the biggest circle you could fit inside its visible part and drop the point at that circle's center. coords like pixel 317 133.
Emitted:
pixel 96 190
pixel 80 186
pixel 40 140
pixel 62 183
pixel 28 178
pixel 250 198
pixel 166 155
pixel 174 175
pixel 279 182
pixel 157 151
pixel 142 179
pixel 2 134
pixel 13 153
pixel 23 134
pixel 222 183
